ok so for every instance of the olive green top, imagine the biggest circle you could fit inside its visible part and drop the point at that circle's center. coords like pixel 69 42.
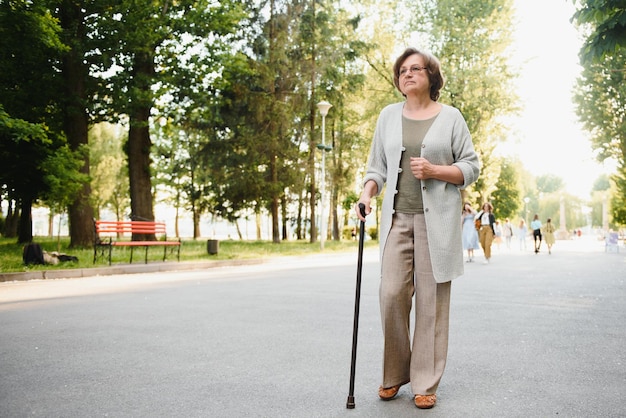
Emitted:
pixel 409 196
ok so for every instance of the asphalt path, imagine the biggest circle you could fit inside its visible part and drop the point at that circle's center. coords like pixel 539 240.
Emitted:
pixel 531 336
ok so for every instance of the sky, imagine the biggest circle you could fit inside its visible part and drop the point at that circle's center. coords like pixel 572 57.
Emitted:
pixel 548 138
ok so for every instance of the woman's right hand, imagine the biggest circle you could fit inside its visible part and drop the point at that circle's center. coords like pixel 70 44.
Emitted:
pixel 362 209
pixel 369 189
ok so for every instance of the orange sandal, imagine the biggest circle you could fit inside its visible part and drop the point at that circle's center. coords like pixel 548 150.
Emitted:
pixel 387 394
pixel 425 401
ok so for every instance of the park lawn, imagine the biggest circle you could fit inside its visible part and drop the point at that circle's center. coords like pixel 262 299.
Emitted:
pixel 191 250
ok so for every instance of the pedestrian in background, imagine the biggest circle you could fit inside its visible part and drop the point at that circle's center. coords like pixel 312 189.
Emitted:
pixel 487 231
pixel 470 234
pixel 507 231
pixel 548 232
pixel 535 225
pixel 422 150
pixel 498 234
pixel 522 231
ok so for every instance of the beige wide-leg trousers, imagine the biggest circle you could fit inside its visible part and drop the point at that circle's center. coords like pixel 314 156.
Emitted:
pixel 407 271
pixel 485 236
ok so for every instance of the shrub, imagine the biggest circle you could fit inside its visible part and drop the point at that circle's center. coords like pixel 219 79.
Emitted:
pixel 346 233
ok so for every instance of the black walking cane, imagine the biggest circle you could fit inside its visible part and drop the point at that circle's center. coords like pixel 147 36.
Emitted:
pixel 357 299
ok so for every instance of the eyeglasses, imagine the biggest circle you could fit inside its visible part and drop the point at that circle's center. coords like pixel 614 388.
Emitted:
pixel 412 69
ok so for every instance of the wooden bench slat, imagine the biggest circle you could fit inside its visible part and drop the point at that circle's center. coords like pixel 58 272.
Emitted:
pixel 103 230
pixel 143 243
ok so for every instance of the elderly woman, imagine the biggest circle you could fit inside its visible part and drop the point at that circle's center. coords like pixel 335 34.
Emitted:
pixel 422 150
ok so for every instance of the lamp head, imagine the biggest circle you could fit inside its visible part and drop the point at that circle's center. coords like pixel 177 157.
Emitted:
pixel 324 106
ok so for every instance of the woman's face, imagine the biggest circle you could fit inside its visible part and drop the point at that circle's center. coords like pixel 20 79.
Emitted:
pixel 413 78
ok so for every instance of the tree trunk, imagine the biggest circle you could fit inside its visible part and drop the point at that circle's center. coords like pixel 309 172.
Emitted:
pixel 139 145
pixel 257 218
pixel 238 231
pixel 51 223
pixel 81 217
pixel 274 129
pixel 274 204
pixel 12 220
pixel 283 206
pixel 312 145
pixel 81 214
pixel 196 223
pixel 299 227
pixel 337 168
pixel 25 232
pixel 76 120
pixel 334 215
pixel 177 216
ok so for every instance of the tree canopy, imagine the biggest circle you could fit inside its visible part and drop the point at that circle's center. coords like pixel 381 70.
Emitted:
pixel 600 95
pixel 218 101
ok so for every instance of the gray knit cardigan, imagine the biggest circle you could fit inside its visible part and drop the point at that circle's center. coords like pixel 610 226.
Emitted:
pixel 447 142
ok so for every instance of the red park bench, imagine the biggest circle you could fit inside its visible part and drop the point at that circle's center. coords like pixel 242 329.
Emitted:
pixel 111 234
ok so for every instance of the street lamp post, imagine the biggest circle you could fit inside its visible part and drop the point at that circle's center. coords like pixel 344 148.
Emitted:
pixel 323 107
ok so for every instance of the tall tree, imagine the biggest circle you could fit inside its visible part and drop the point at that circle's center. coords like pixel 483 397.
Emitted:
pixel 549 183
pixel 471 40
pixel 384 27
pixel 274 95
pixel 506 198
pixel 108 169
pixel 79 88
pixel 65 180
pixel 341 80
pixel 182 174
pixel 605 22
pixel 23 178
pixel 278 80
pixel 600 95
pixel 235 155
pixel 599 197
pixel 31 131
pixel 310 38
pixel 153 44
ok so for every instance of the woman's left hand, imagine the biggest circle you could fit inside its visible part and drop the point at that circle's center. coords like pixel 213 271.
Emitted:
pixel 422 168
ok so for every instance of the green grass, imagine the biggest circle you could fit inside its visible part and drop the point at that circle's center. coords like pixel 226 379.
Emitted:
pixel 11 252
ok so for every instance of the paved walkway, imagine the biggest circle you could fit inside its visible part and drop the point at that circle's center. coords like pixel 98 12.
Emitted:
pixel 531 336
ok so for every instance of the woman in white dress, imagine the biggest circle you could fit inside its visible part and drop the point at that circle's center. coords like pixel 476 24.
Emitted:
pixel 470 234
